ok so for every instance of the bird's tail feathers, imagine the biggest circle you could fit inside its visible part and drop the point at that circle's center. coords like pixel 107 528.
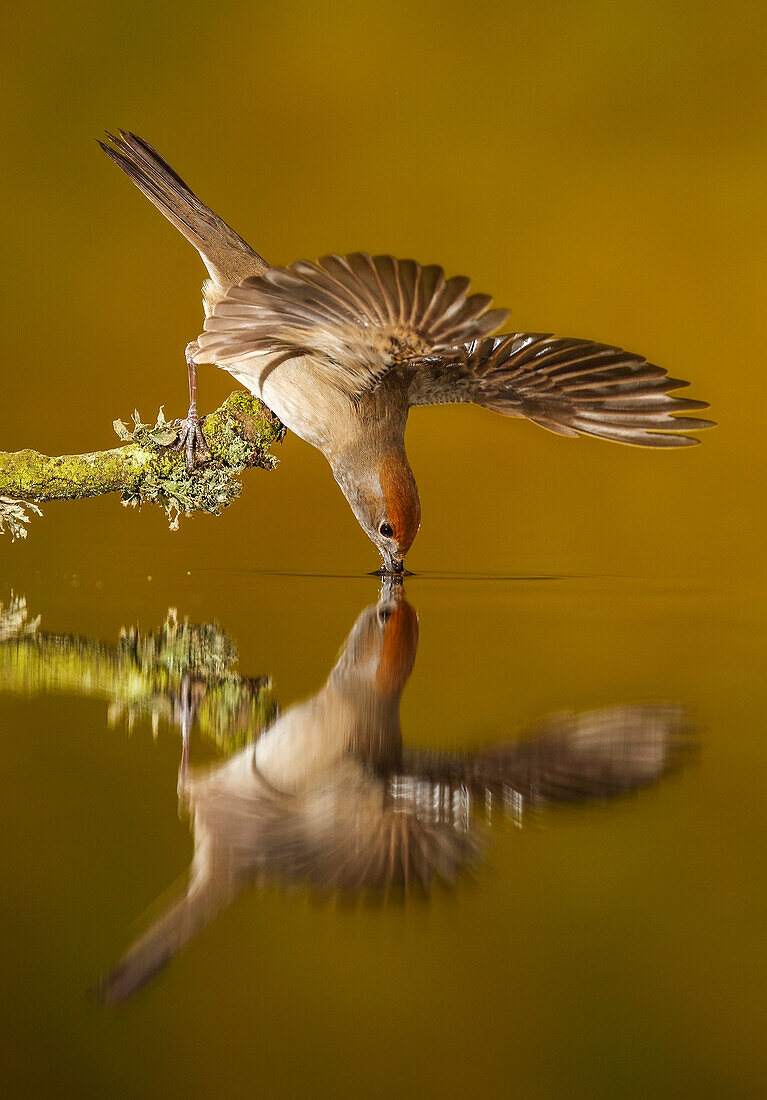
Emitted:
pixel 577 387
pixel 227 257
pixel 183 919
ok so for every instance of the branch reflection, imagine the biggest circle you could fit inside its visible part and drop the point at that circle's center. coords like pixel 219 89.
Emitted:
pixel 182 674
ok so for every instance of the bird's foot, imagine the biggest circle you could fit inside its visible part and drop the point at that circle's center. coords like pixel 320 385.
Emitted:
pixel 192 441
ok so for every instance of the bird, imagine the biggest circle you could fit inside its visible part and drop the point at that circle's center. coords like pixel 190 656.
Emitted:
pixel 329 797
pixel 341 349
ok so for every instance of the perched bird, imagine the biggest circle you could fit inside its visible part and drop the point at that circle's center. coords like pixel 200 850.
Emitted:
pixel 341 349
pixel 328 796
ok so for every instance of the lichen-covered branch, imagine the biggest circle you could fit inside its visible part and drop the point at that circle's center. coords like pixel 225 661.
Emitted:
pixel 145 469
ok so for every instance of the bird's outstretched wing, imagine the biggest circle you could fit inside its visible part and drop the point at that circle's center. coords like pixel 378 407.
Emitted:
pixel 572 387
pixel 356 315
pixel 569 757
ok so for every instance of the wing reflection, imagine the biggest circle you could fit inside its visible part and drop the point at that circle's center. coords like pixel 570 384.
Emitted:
pixel 327 796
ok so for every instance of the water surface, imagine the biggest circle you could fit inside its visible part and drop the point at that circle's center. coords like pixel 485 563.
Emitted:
pixel 600 169
pixel 550 843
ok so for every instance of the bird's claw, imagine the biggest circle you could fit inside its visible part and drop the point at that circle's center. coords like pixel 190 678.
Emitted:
pixel 192 441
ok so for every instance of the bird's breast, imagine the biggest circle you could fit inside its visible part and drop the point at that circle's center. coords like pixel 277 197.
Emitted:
pixel 315 411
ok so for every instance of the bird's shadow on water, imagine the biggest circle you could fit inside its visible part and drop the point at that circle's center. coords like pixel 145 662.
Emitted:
pixel 327 794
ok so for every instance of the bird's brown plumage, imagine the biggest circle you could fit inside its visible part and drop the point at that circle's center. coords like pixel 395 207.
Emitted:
pixel 357 315
pixel 228 258
pixel 329 346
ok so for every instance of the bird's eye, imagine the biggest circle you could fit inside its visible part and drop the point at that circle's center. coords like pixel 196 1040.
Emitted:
pixel 386 530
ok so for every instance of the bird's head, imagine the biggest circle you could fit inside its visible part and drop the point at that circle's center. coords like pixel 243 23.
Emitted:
pixel 382 493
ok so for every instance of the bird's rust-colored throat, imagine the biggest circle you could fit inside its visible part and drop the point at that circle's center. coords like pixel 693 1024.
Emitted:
pixel 403 508
pixel 399 649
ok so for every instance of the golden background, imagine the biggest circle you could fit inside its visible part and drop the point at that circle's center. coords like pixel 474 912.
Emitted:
pixel 598 168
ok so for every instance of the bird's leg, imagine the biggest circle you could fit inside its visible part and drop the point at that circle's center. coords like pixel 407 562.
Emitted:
pixel 185 713
pixel 190 439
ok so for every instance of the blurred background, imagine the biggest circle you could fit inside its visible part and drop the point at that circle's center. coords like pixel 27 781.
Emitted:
pixel 599 168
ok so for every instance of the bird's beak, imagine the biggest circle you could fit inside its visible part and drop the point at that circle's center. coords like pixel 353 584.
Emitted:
pixel 393 565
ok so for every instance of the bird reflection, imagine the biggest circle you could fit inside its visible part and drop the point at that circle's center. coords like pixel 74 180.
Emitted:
pixel 328 797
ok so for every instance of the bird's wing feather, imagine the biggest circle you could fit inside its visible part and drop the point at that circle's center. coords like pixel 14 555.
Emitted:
pixel 568 757
pixel 568 386
pixel 357 315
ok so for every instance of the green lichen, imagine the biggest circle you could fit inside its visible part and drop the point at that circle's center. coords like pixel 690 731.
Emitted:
pixel 238 436
pixel 186 648
pixel 14 517
pixel 15 621
pixel 145 676
pixel 146 469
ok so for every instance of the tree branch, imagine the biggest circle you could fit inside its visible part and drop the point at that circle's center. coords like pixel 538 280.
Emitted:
pixel 145 469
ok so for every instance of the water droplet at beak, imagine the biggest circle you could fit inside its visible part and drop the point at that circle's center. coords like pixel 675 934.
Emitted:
pixel 392 567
